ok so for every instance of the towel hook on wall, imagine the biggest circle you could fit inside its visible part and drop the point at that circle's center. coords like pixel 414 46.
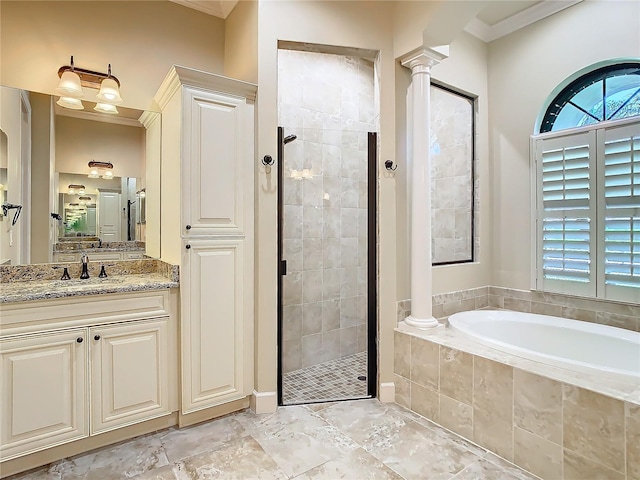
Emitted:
pixel 267 160
pixel 388 164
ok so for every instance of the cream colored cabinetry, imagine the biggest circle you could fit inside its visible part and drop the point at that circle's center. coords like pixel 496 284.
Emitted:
pixel 68 375
pixel 97 257
pixel 208 141
pixel 44 395
pixel 129 373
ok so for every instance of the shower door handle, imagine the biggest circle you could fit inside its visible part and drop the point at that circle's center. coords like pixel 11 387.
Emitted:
pixel 283 267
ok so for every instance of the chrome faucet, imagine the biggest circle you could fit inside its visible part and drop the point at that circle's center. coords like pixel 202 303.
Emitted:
pixel 99 242
pixel 85 267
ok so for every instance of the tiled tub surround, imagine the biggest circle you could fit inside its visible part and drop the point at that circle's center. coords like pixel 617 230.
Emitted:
pixel 42 281
pixel 615 314
pixel 553 422
pixel 328 102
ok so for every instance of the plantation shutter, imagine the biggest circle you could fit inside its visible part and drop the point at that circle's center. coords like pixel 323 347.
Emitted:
pixel 619 212
pixel 566 210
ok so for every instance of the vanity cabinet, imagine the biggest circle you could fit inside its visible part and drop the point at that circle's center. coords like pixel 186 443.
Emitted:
pixel 77 376
pixel 208 144
pixel 60 257
pixel 128 373
pixel 44 391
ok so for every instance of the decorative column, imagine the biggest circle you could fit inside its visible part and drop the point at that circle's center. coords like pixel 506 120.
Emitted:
pixel 420 62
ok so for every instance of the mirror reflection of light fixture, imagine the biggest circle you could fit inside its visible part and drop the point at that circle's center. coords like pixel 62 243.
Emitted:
pixel 100 170
pixel 72 79
pixel 76 189
pixel 106 108
pixel 72 103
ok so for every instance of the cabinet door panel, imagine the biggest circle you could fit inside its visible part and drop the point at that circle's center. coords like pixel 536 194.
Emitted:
pixel 213 163
pixel 129 376
pixel 212 320
pixel 42 391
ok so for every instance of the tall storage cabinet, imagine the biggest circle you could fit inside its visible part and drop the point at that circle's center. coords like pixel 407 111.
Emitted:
pixel 207 205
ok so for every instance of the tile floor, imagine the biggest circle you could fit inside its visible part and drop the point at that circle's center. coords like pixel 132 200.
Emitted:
pixel 334 380
pixel 360 439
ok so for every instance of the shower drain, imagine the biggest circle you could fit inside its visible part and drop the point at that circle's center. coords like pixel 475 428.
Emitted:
pixel 362 377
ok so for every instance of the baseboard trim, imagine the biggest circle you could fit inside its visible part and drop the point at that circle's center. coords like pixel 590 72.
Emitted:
pixel 387 392
pixel 264 402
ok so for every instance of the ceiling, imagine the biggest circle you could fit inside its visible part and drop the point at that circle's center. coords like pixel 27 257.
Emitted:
pixel 217 8
pixel 499 18
pixel 498 11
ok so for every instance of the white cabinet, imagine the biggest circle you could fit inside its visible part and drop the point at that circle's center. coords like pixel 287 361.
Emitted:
pixel 208 141
pixel 66 382
pixel 128 373
pixel 214 151
pixel 215 335
pixel 43 392
pixel 63 257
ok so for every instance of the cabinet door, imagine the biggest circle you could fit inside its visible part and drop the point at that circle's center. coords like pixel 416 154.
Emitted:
pixel 129 375
pixel 43 391
pixel 216 325
pixel 215 147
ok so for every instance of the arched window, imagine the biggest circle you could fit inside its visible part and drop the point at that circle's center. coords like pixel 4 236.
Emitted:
pixel 611 92
pixel 587 194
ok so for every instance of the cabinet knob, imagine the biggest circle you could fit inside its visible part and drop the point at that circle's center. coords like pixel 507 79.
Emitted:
pixel 188 227
pixel 79 339
pixel 188 246
pixel 97 337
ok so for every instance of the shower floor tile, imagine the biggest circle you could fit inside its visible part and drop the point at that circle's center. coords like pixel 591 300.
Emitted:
pixel 333 380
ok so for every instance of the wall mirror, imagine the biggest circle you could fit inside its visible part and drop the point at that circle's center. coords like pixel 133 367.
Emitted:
pixel 45 152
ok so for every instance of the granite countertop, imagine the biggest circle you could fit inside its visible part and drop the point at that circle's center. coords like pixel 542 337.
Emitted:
pixel 46 289
pixel 24 283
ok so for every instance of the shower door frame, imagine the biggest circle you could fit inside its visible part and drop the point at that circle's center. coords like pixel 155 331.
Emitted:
pixel 372 264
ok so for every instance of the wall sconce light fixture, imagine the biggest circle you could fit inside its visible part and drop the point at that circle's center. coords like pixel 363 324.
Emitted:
pixel 100 170
pixel 72 79
pixel 76 189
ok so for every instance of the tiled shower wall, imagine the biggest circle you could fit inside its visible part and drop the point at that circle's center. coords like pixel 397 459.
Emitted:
pixel 328 102
pixel 616 314
pixel 452 176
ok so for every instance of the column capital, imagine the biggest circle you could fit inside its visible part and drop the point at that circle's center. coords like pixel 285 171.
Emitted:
pixel 422 59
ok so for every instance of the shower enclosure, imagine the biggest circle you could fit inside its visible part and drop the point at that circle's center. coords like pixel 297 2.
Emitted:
pixel 327 226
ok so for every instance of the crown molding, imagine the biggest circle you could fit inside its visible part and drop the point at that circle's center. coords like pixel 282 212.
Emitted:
pixel 179 76
pixel 489 33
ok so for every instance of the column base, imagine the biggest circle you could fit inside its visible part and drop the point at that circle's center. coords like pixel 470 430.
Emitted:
pixel 422 323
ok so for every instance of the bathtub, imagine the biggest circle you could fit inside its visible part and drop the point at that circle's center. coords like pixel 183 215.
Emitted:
pixel 580 346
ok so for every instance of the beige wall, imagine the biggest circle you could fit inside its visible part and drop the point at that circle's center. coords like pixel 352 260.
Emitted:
pixel 464 70
pixel 41 106
pixel 524 68
pixel 78 141
pixel 141 40
pixel 430 23
pixel 241 42
pixel 350 24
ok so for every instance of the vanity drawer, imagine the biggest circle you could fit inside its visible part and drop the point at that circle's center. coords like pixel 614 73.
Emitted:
pixel 101 257
pixel 70 312
pixel 65 257
pixel 133 255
